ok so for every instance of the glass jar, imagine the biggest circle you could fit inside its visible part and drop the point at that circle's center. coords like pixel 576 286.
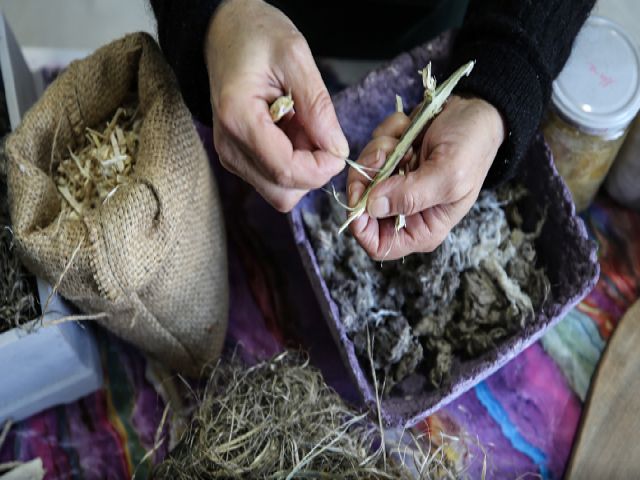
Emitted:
pixel 623 181
pixel 582 158
pixel 593 101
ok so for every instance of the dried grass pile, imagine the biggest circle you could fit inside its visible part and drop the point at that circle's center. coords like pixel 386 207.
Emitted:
pixel 91 175
pixel 18 303
pixel 279 420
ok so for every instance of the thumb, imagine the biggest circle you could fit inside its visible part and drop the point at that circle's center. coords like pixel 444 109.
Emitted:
pixel 314 108
pixel 419 190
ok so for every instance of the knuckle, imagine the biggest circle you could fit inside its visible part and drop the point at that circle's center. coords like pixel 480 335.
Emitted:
pixel 223 152
pixel 432 237
pixel 439 237
pixel 376 254
pixel 227 163
pixel 457 185
pixel 458 177
pixel 283 203
pixel 320 102
pixel 384 143
pixel 407 203
pixel 431 243
pixel 227 110
pixel 298 50
pixel 282 176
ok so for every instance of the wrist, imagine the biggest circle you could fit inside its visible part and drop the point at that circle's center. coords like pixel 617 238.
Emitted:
pixel 498 120
pixel 221 21
pixel 494 117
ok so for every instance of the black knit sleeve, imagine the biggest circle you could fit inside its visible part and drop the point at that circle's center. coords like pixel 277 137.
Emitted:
pixel 182 26
pixel 520 46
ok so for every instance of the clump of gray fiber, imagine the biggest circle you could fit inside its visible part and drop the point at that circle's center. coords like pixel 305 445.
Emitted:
pixel 428 311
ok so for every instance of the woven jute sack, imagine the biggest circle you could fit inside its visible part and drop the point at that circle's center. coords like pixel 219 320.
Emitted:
pixel 154 256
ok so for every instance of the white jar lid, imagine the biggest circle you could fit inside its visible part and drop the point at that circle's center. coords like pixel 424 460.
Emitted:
pixel 599 86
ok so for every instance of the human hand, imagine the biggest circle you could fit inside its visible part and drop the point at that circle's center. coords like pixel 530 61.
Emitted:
pixel 454 157
pixel 254 55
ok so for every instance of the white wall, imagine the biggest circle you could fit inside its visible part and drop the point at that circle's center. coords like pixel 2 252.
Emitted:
pixel 76 24
pixel 88 24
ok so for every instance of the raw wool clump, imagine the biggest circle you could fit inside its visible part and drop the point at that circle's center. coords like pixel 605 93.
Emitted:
pixel 18 304
pixel 279 420
pixel 478 288
pixel 90 176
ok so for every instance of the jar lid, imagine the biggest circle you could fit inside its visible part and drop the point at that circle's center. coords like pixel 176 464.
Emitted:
pixel 599 86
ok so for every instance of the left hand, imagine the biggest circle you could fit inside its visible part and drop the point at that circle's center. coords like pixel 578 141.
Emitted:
pixel 454 157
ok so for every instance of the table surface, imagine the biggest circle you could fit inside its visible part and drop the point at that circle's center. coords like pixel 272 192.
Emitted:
pixel 523 418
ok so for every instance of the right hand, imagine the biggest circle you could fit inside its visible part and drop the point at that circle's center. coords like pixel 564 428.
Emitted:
pixel 255 54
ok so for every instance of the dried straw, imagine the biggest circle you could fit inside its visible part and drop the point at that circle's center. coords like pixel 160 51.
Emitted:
pixel 88 177
pixel 18 304
pixel 279 420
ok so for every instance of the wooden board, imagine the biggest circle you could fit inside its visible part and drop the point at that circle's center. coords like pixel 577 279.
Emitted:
pixel 608 443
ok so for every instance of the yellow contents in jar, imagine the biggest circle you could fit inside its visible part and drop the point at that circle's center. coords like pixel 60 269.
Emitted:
pixel 582 159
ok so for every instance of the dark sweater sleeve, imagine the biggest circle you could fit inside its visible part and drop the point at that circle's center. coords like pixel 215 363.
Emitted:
pixel 519 48
pixel 182 27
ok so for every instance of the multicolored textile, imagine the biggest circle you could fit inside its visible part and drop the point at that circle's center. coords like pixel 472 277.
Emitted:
pixel 522 420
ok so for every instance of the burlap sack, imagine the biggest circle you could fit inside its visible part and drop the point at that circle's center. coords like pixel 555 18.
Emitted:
pixel 153 257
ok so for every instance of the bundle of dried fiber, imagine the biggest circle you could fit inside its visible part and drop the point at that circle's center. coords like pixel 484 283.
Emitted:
pixel 90 176
pixel 18 304
pixel 279 420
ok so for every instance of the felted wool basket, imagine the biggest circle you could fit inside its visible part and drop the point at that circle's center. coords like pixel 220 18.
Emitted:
pixel 154 256
pixel 563 248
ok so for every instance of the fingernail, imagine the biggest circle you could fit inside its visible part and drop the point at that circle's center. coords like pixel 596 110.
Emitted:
pixel 355 192
pixel 340 146
pixel 379 208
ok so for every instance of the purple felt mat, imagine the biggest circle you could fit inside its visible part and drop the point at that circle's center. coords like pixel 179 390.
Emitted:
pixel 564 249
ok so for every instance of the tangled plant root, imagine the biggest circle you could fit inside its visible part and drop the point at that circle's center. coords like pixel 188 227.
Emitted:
pixel 279 420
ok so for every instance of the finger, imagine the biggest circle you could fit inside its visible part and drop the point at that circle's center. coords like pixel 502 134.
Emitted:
pixel 296 133
pixel 234 160
pixel 275 155
pixel 312 102
pixel 424 232
pixel 436 181
pixel 416 237
pixel 356 182
pixel 392 126
pixel 387 145
pixel 368 155
pixel 379 238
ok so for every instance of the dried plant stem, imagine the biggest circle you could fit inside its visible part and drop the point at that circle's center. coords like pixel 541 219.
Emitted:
pixel 158 440
pixel 377 392
pixel 280 107
pixel 5 431
pixel 89 176
pixel 401 221
pixel 427 110
pixel 55 288
pixel 76 318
